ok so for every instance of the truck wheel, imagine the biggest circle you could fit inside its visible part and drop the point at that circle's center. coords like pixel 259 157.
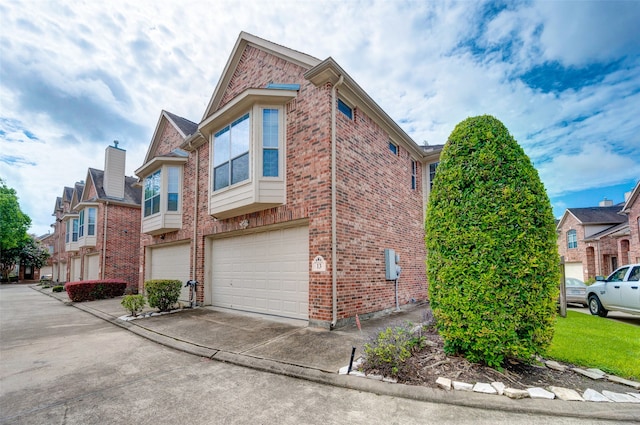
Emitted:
pixel 595 307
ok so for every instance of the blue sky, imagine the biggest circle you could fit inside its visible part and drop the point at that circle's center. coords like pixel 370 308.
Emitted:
pixel 564 77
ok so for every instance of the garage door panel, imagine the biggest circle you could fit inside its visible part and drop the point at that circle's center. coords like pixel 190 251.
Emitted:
pixel 171 262
pixel 263 272
pixel 574 270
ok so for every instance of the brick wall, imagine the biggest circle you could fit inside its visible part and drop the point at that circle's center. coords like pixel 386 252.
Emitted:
pixel 377 208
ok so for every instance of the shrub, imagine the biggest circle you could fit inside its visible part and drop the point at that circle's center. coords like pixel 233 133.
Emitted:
pixel 133 303
pixel 388 352
pixel 492 260
pixel 89 290
pixel 162 293
pixel 58 288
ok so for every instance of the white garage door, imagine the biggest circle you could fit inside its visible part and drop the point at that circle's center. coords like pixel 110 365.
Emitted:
pixel 76 264
pixel 264 272
pixel 573 270
pixel 91 265
pixel 170 262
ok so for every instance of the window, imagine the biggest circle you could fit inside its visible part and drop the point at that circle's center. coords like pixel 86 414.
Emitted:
pixel 345 109
pixel 87 222
pixel 270 139
pixel 173 175
pixel 414 175
pixel 231 154
pixel 152 194
pixel 393 147
pixel 635 274
pixel 74 235
pixel 572 239
pixel 432 173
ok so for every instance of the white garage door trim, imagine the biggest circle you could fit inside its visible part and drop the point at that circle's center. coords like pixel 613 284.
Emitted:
pixel 574 270
pixel 264 272
pixel 170 262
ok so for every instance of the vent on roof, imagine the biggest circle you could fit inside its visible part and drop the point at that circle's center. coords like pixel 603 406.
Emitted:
pixel 606 203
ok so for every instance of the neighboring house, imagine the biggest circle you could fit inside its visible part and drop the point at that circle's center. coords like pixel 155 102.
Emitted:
pixel 48 241
pixel 631 209
pixel 594 241
pixel 283 199
pixel 97 231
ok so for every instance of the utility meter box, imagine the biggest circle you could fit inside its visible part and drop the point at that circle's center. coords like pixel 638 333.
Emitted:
pixel 391 267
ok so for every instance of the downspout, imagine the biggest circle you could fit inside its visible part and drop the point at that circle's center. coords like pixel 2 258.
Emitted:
pixel 195 226
pixel 104 240
pixel 334 215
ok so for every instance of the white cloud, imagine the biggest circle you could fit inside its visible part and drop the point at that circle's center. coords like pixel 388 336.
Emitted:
pixel 79 75
pixel 593 165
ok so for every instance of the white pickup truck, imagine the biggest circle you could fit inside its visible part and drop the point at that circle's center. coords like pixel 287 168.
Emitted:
pixel 620 291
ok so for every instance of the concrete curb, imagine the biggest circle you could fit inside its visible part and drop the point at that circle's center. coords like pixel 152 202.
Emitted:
pixel 600 411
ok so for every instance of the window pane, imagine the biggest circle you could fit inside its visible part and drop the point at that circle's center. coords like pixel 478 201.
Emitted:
pixel 345 109
pixel 221 143
pixel 173 176
pixel 221 176
pixel 240 169
pixel 240 136
pixel 147 207
pixel 270 128
pixel 172 202
pixel 155 204
pixel 91 231
pixel 270 163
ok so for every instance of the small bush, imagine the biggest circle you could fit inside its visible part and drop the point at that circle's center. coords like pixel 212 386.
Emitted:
pixel 89 290
pixel 133 304
pixel 388 352
pixel 58 288
pixel 162 293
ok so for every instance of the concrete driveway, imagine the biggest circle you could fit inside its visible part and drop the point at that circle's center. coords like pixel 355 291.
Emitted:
pixel 61 365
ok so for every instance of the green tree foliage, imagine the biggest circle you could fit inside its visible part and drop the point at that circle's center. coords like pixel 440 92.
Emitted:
pixel 492 260
pixel 13 229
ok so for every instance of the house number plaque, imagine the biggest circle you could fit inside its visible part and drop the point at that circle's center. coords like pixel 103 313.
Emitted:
pixel 319 264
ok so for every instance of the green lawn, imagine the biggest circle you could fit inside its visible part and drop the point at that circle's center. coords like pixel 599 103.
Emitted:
pixel 594 342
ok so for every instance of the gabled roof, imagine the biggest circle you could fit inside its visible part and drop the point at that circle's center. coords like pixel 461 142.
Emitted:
pixel 245 39
pixel 95 178
pixel 598 215
pixel 594 215
pixel 183 126
pixel 67 194
pixel 58 205
pixel 634 197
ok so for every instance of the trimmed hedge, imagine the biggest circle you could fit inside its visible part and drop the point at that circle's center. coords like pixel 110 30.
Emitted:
pixel 492 259
pixel 162 293
pixel 89 290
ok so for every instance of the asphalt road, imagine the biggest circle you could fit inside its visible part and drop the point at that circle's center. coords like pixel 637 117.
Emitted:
pixel 60 365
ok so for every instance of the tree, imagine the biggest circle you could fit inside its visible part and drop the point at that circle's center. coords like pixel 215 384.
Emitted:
pixel 13 229
pixel 492 260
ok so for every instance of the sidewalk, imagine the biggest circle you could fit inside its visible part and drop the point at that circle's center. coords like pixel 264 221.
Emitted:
pixel 291 348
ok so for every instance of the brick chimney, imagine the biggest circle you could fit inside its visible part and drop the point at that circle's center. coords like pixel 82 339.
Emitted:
pixel 114 161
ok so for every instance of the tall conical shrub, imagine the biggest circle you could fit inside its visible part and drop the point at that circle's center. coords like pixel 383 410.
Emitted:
pixel 492 260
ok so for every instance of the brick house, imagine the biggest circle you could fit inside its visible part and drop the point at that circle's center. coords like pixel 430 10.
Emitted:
pixel 594 241
pixel 284 197
pixel 631 209
pixel 97 230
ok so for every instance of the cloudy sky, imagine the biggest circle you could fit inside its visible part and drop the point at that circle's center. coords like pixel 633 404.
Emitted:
pixel 564 77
